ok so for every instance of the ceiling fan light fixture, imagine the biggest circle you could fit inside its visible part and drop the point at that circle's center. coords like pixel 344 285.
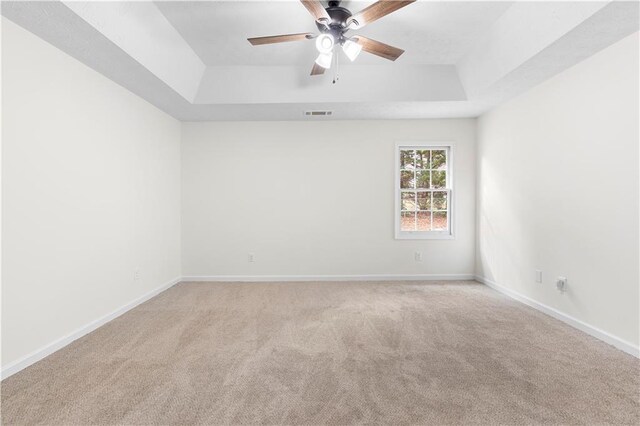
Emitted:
pixel 333 22
pixel 324 60
pixel 351 49
pixel 324 43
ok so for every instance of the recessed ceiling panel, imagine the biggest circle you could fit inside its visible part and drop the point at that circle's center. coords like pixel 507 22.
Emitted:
pixel 429 32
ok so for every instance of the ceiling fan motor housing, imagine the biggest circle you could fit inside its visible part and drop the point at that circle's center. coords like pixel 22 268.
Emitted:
pixel 339 22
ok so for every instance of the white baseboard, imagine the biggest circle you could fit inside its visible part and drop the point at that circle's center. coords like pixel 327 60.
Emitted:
pixel 52 347
pixel 290 278
pixel 574 322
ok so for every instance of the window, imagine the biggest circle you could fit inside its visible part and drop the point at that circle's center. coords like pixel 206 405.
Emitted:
pixel 423 191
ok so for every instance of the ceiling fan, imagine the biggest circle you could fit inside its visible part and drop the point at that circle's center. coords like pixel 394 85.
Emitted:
pixel 333 22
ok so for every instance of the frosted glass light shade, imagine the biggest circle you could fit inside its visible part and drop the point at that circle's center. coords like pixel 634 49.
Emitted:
pixel 351 49
pixel 324 43
pixel 324 60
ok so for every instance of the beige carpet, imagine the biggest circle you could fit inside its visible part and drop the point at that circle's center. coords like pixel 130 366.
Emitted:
pixel 329 353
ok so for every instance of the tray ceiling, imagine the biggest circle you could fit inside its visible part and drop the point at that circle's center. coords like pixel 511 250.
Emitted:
pixel 192 59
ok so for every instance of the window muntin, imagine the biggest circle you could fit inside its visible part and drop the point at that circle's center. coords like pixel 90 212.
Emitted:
pixel 423 188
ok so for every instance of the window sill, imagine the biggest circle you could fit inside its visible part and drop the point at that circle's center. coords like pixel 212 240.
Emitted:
pixel 424 236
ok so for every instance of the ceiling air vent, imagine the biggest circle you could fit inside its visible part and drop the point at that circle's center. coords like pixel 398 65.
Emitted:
pixel 318 113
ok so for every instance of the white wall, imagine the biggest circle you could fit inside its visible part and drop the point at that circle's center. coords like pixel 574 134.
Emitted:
pixel 92 178
pixel 313 198
pixel 558 191
pixel 91 191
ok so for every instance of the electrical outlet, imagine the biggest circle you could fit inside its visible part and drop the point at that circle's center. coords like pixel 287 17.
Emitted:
pixel 538 276
pixel 561 284
pixel 250 258
pixel 417 256
pixel 136 274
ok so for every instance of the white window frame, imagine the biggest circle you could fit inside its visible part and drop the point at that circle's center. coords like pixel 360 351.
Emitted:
pixel 447 234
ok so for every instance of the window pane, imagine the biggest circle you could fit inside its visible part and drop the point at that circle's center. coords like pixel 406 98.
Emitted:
pixel 438 179
pixel 407 180
pixel 422 179
pixel 409 201
pixel 422 159
pixel 406 159
pixel 424 200
pixel 408 221
pixel 424 192
pixel 438 160
pixel 440 221
pixel 424 221
pixel 439 200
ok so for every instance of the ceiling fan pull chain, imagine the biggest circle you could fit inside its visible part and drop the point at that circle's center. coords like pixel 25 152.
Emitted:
pixel 335 78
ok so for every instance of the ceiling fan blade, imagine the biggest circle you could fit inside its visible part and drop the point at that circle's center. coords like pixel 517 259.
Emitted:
pixel 376 11
pixel 316 9
pixel 378 48
pixel 317 69
pixel 256 41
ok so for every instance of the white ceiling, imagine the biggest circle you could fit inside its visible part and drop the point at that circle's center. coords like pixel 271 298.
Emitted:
pixel 429 32
pixel 192 59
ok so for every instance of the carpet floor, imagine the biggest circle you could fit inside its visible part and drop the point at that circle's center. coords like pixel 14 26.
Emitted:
pixel 336 353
